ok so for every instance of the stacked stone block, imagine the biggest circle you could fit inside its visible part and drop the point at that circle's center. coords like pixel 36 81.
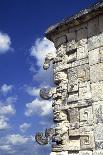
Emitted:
pixel 78 95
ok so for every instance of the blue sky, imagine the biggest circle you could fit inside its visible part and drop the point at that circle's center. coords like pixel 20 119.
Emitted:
pixel 23 47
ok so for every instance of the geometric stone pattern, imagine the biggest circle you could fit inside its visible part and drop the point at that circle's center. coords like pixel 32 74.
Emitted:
pixel 78 95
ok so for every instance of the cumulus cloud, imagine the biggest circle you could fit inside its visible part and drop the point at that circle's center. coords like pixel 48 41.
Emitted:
pixel 7 109
pixel 5 43
pixel 32 91
pixel 39 107
pixel 39 51
pixel 4 123
pixel 25 126
pixel 6 88
pixel 22 145
pixel 41 48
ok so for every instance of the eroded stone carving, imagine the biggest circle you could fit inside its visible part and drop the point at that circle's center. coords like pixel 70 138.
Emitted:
pixel 78 94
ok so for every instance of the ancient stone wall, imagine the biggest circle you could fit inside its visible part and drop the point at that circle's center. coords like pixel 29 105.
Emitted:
pixel 78 95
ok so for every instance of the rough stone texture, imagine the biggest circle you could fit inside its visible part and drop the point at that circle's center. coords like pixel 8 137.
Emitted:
pixel 94 56
pixel 78 75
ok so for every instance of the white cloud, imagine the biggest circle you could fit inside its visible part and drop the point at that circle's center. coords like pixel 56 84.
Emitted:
pixel 4 123
pixel 6 88
pixel 7 110
pixel 39 50
pixel 25 126
pixel 32 91
pixel 5 43
pixel 37 106
pixel 14 144
pixel 16 139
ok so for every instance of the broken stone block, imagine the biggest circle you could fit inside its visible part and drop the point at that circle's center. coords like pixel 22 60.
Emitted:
pixel 94 56
pixel 97 91
pixel 96 72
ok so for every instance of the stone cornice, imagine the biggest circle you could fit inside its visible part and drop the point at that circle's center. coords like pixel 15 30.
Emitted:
pixel 83 16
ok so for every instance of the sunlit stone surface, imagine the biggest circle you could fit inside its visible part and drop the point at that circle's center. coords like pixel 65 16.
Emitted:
pixel 78 75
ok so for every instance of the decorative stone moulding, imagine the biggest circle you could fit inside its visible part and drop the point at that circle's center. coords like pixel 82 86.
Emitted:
pixel 78 94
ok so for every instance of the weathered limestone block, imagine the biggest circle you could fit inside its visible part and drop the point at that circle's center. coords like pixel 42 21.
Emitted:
pixel 97 91
pixel 59 116
pixel 72 56
pixel 98 133
pixel 71 46
pixel 82 52
pixel 72 88
pixel 73 144
pixel 48 59
pixel 84 90
pixel 87 141
pixel 86 116
pixel 80 62
pixel 83 73
pixel 59 76
pixel 93 27
pixel 73 96
pixel 93 42
pixel 98 152
pixel 98 112
pixel 101 39
pixel 73 76
pixel 96 73
pixel 101 54
pixel 85 153
pixel 61 50
pixel 94 56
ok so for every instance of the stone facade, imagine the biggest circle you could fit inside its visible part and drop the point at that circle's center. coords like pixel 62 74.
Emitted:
pixel 78 75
